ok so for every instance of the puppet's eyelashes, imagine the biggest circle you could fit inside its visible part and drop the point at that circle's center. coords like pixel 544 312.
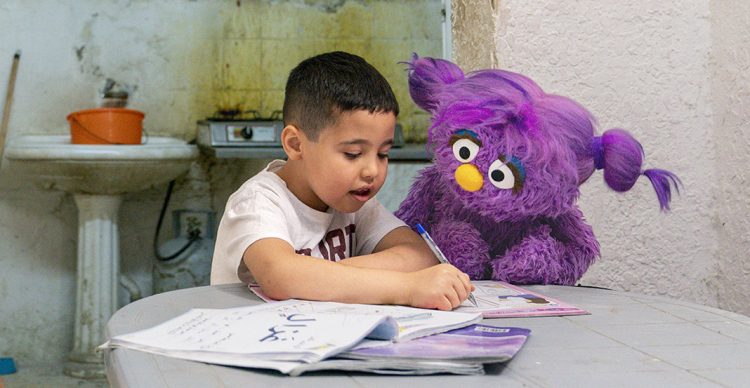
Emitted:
pixel 465 150
pixel 501 175
pixel 507 176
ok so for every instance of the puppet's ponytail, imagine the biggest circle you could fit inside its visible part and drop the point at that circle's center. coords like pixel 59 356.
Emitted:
pixel 621 158
pixel 427 77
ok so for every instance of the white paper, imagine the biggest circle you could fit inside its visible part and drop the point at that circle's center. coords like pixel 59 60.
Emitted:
pixel 260 332
pixel 412 322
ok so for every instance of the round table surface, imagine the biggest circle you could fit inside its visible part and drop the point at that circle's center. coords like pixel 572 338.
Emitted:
pixel 628 340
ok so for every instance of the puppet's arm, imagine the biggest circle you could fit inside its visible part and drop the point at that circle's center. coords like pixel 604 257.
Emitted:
pixel 461 243
pixel 418 205
pixel 463 246
pixel 557 252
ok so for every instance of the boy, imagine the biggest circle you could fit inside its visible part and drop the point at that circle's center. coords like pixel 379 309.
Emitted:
pixel 339 119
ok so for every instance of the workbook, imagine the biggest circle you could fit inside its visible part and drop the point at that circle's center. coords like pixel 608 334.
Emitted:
pixel 285 335
pixel 496 299
pixel 461 351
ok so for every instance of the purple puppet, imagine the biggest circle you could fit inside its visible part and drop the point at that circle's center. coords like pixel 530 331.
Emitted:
pixel 500 196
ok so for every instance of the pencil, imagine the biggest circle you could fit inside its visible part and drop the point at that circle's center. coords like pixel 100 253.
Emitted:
pixel 434 248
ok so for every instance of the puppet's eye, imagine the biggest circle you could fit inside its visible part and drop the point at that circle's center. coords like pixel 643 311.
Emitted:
pixel 501 175
pixel 465 150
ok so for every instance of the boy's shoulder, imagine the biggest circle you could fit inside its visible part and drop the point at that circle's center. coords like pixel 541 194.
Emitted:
pixel 265 182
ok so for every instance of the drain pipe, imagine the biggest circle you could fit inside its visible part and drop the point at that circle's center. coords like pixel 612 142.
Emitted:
pixel 132 287
pixel 8 101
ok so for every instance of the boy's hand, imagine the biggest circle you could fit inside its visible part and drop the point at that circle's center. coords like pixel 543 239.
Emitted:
pixel 441 287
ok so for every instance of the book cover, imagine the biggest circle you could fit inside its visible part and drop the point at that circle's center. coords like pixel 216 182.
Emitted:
pixel 462 351
pixel 475 343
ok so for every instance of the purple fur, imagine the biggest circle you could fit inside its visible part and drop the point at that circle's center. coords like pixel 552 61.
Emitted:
pixel 427 75
pixel 623 157
pixel 662 181
pixel 534 260
pixel 453 233
pixel 537 148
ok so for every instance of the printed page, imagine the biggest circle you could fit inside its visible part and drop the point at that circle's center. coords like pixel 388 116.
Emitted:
pixel 412 322
pixel 497 299
pixel 275 331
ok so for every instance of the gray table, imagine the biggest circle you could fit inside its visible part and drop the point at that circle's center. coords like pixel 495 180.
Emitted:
pixel 629 340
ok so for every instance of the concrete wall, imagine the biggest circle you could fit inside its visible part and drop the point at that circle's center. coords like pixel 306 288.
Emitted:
pixel 186 59
pixel 730 88
pixel 674 74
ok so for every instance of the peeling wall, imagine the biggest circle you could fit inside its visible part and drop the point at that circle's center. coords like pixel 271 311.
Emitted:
pixel 37 266
pixel 673 74
pixel 185 59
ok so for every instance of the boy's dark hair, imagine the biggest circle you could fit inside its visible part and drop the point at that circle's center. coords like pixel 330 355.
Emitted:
pixel 322 87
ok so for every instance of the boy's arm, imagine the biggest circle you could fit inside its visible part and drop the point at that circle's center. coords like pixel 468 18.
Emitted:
pixel 400 250
pixel 284 274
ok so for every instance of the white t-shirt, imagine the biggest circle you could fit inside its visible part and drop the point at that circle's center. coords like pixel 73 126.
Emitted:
pixel 263 207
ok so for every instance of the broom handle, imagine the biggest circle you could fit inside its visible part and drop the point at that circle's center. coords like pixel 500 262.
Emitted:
pixel 9 101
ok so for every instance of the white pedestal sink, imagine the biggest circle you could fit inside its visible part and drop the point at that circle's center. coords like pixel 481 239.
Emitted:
pixel 97 176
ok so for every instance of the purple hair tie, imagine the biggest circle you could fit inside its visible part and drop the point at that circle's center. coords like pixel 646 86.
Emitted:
pixel 598 149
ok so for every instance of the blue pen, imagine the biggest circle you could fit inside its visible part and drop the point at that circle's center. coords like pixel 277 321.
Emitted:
pixel 439 254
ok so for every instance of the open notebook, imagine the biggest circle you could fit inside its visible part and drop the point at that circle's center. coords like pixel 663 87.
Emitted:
pixel 286 335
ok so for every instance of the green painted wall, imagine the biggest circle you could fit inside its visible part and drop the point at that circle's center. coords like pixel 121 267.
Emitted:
pixel 261 41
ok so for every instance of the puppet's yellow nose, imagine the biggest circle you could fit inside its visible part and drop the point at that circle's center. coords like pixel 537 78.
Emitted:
pixel 469 177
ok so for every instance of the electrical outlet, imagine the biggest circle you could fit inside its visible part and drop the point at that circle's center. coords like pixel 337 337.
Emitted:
pixel 189 221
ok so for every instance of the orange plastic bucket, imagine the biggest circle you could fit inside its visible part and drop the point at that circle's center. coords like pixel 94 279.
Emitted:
pixel 106 126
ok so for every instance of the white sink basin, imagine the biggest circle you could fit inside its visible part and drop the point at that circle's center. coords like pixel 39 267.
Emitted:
pixel 54 163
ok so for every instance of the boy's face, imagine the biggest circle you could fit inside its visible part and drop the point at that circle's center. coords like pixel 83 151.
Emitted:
pixel 349 162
